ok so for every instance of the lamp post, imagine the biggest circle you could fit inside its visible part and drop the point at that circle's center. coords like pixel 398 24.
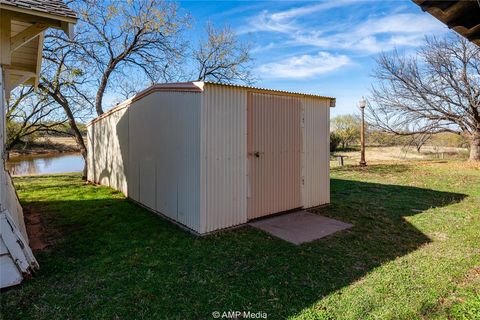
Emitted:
pixel 362 103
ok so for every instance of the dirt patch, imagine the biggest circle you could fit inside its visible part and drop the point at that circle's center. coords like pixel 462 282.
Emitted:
pixel 41 237
pixel 473 276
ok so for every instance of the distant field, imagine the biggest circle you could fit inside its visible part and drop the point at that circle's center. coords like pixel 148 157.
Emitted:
pixel 398 153
pixel 46 145
pixel 66 141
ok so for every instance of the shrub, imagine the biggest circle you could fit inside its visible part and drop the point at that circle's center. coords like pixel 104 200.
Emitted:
pixel 334 141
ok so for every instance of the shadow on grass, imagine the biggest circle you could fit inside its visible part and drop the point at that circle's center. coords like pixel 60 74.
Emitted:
pixel 375 168
pixel 347 149
pixel 123 260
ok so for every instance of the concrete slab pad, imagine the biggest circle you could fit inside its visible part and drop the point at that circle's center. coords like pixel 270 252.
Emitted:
pixel 300 226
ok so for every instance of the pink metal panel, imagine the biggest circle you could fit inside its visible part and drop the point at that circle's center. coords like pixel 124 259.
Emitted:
pixel 274 149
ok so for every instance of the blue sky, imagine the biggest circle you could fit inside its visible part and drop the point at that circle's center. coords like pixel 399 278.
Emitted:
pixel 326 48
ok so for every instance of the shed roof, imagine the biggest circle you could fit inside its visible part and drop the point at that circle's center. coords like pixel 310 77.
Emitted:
pixel 198 86
pixel 47 7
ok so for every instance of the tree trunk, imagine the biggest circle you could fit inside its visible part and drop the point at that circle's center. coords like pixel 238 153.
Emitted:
pixel 78 138
pixel 60 99
pixel 85 168
pixel 475 147
pixel 102 87
pixel 10 144
pixel 99 98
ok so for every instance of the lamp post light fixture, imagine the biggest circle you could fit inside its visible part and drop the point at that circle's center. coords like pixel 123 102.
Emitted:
pixel 362 103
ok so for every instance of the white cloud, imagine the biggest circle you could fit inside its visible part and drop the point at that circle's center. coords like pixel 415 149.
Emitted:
pixel 284 21
pixel 375 34
pixel 371 35
pixel 262 48
pixel 304 66
pixel 301 11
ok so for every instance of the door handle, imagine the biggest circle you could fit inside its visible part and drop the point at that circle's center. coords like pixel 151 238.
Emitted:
pixel 256 154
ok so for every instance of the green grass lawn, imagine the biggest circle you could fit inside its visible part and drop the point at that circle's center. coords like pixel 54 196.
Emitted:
pixel 413 253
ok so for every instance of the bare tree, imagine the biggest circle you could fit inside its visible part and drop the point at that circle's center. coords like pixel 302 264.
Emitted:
pixel 419 140
pixel 436 91
pixel 66 83
pixel 131 44
pixel 127 36
pixel 222 57
pixel 29 115
pixel 112 39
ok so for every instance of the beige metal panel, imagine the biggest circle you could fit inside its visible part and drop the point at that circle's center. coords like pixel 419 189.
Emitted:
pixel 316 152
pixel 185 153
pixel 224 157
pixel 110 150
pixel 274 150
pixel 90 153
pixel 265 90
pixel 164 154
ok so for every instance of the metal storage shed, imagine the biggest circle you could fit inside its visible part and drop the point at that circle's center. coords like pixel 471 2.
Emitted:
pixel 211 156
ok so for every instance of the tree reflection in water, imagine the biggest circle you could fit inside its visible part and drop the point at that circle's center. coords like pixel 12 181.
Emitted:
pixel 45 163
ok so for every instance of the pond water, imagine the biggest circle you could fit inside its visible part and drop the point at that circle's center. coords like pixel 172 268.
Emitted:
pixel 45 163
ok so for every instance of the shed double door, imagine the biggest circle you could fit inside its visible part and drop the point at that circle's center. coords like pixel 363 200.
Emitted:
pixel 274 154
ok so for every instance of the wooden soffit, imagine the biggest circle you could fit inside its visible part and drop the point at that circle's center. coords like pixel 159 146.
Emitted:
pixel 460 16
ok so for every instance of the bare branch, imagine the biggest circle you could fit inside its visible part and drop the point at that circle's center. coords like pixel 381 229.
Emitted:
pixel 435 91
pixel 222 58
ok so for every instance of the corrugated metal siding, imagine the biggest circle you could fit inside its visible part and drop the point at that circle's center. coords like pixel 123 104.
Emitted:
pixel 274 134
pixel 164 154
pixel 224 157
pixel 151 152
pixel 90 153
pixel 185 154
pixel 316 152
pixel 108 145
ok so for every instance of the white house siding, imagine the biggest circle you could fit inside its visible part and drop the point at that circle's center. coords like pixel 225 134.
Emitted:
pixel 8 196
pixel 16 258
pixel 224 157
pixel 316 151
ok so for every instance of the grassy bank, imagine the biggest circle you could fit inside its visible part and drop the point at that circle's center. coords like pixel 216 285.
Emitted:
pixel 414 252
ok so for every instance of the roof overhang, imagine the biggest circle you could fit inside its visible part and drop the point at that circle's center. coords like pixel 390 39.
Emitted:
pixel 460 16
pixel 56 21
pixel 21 42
